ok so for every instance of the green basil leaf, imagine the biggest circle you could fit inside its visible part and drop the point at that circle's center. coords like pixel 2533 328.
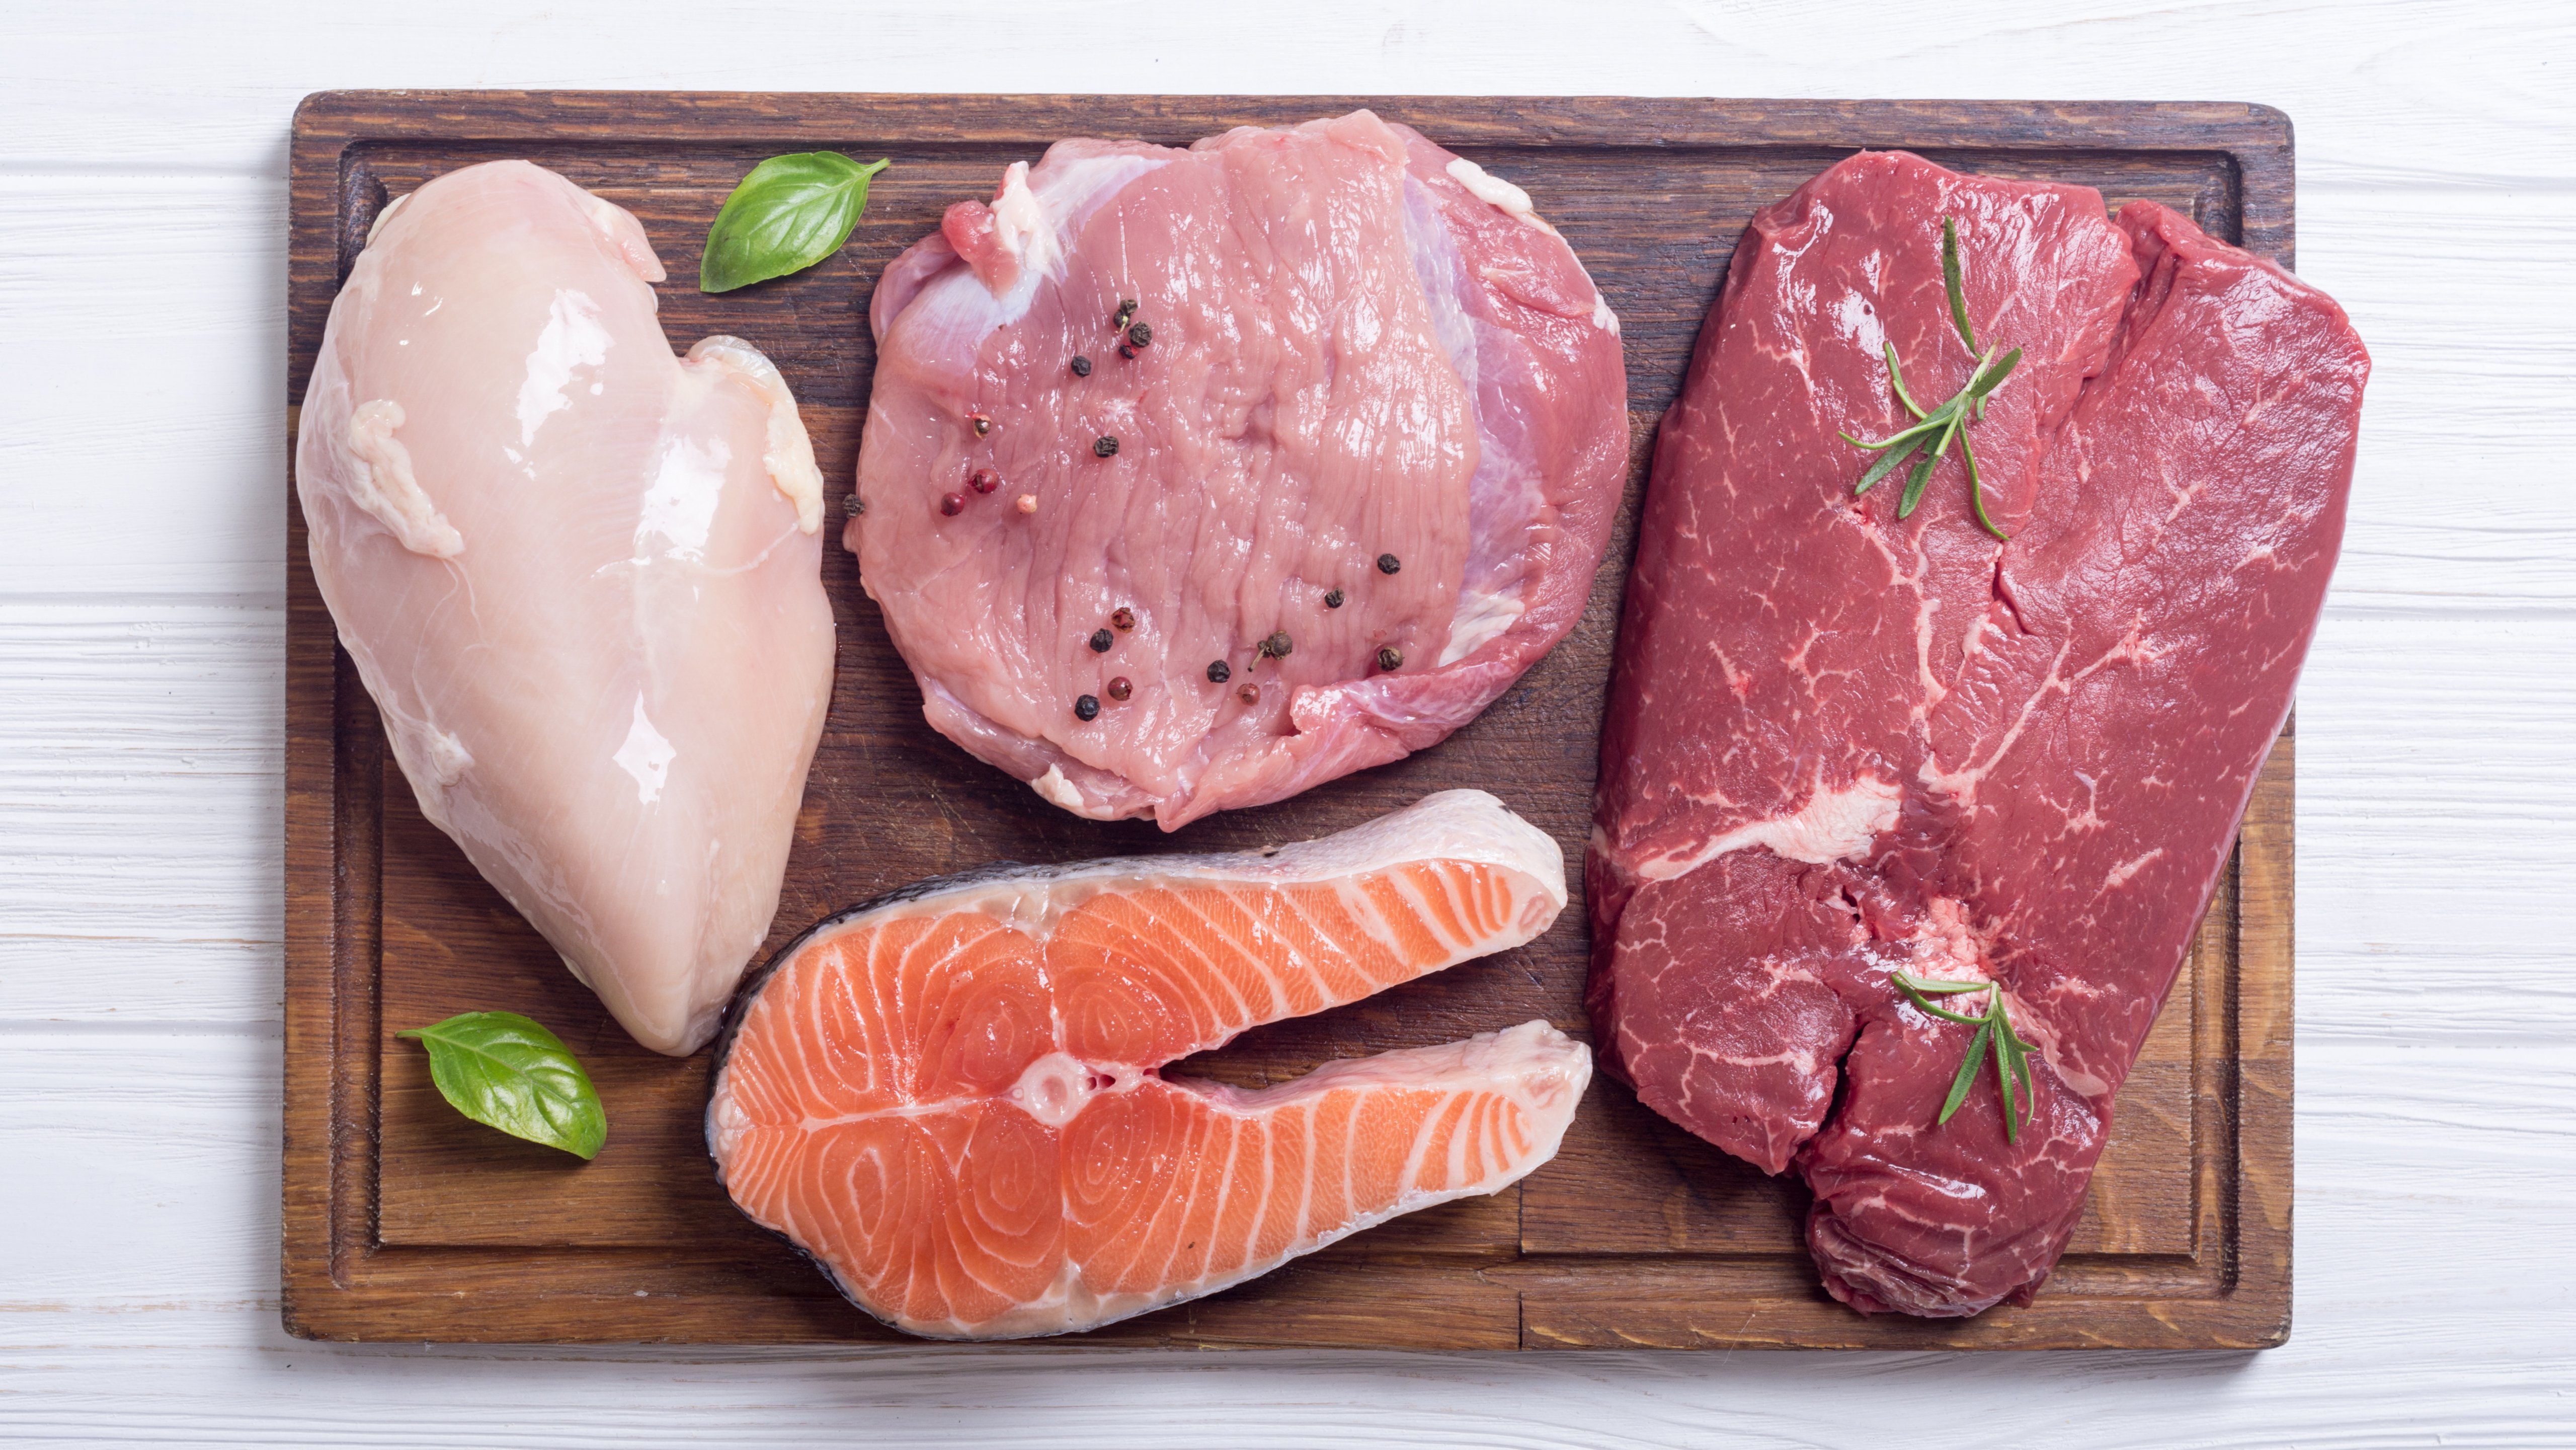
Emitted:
pixel 788 214
pixel 506 1072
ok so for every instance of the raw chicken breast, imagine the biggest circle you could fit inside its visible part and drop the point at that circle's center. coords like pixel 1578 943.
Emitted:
pixel 951 1097
pixel 1356 347
pixel 579 575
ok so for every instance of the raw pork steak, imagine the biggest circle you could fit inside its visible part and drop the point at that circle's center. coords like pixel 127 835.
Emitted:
pixel 1365 406
pixel 1841 744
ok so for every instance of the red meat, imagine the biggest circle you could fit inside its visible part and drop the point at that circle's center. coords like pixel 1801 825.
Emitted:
pixel 1842 744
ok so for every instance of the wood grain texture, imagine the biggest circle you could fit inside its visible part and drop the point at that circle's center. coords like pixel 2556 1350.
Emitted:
pixel 403 1222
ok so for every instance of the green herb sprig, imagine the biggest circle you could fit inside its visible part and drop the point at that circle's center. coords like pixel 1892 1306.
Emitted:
pixel 505 1071
pixel 1933 431
pixel 1995 1037
pixel 788 214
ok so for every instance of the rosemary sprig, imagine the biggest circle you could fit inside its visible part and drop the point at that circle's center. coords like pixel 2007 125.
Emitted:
pixel 1934 431
pixel 1950 280
pixel 1995 1037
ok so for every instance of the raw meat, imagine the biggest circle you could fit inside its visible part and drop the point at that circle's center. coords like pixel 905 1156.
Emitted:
pixel 580 576
pixel 1840 744
pixel 949 1097
pixel 1356 345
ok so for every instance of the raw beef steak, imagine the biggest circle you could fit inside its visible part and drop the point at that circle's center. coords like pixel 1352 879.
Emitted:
pixel 1335 465
pixel 1842 744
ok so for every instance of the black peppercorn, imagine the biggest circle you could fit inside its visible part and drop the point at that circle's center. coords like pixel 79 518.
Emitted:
pixel 1388 563
pixel 1219 672
pixel 1333 600
pixel 1082 367
pixel 1086 707
pixel 1126 313
pixel 1105 446
pixel 857 505
pixel 1390 658
pixel 1140 336
pixel 1127 350
pixel 1278 645
pixel 1100 641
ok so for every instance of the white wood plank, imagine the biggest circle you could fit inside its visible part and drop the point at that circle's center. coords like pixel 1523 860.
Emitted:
pixel 142 812
pixel 145 439
pixel 296 1396
pixel 145 1164
pixel 2433 800
pixel 2445 507
pixel 2382 88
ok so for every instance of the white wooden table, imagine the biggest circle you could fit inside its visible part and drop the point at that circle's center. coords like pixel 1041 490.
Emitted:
pixel 142 300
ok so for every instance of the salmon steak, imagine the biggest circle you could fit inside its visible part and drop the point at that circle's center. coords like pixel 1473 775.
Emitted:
pixel 950 1097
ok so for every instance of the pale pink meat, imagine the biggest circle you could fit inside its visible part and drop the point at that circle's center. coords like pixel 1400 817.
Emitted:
pixel 579 575
pixel 1359 346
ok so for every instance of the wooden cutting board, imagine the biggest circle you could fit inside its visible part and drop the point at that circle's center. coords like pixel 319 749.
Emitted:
pixel 404 1222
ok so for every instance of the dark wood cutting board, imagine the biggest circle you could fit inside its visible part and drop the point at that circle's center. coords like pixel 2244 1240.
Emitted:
pixel 404 1222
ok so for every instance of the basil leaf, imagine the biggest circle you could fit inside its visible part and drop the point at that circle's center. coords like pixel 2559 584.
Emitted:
pixel 788 214
pixel 506 1072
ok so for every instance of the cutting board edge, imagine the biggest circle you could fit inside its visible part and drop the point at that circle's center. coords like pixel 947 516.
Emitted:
pixel 331 1268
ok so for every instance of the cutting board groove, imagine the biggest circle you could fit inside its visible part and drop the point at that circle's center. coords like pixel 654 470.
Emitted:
pixel 403 1222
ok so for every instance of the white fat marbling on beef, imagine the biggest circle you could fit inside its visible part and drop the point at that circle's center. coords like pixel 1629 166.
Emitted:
pixel 1842 745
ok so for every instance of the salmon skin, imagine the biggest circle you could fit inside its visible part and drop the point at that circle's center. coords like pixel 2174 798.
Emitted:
pixel 950 1097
